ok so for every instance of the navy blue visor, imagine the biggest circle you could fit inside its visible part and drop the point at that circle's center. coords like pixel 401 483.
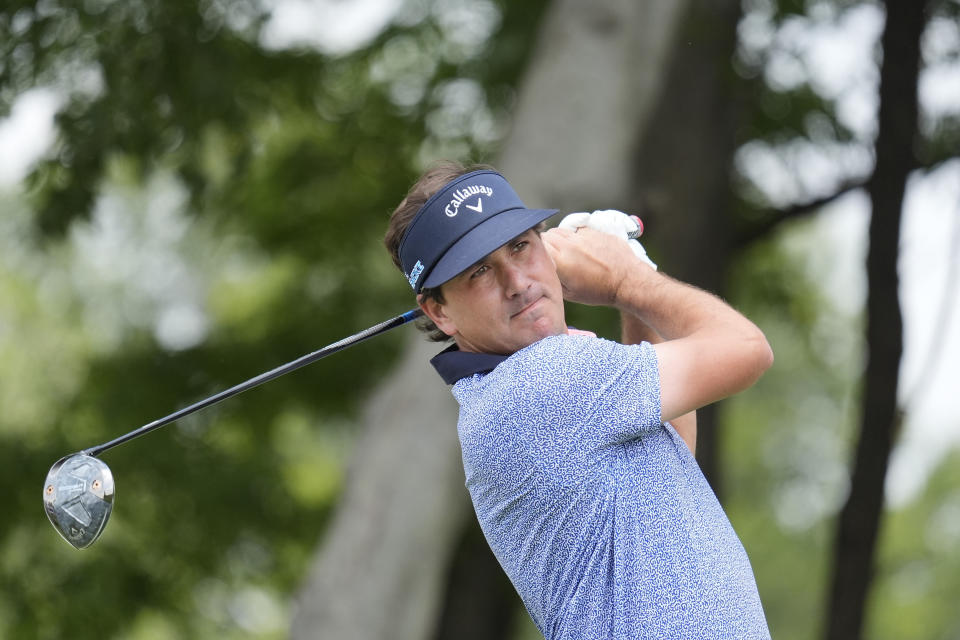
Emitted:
pixel 469 218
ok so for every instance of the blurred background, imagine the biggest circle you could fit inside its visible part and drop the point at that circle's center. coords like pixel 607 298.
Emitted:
pixel 195 192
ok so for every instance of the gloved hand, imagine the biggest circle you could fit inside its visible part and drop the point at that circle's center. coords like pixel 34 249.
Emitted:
pixel 613 222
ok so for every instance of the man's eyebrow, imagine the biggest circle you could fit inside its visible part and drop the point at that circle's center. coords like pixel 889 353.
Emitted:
pixel 475 265
pixel 511 240
pixel 485 258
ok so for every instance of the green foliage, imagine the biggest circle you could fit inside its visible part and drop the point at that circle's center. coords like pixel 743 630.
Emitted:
pixel 196 169
pixel 284 166
pixel 146 79
pixel 919 564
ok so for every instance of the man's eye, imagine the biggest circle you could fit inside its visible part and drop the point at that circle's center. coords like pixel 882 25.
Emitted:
pixel 479 272
pixel 521 245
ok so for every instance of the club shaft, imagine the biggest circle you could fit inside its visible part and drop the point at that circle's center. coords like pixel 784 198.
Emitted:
pixel 302 361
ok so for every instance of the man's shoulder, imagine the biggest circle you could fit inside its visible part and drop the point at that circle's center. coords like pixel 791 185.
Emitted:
pixel 530 364
pixel 454 365
pixel 552 355
pixel 554 361
pixel 574 352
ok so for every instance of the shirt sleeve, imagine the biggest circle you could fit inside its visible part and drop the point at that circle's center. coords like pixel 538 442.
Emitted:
pixel 623 387
pixel 612 390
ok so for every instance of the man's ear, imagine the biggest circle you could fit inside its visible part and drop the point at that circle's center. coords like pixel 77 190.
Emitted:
pixel 436 312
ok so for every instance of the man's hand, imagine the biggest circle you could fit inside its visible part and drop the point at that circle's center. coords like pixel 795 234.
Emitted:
pixel 614 222
pixel 591 265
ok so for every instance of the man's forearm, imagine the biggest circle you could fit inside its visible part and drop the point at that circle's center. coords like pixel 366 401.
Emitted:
pixel 670 308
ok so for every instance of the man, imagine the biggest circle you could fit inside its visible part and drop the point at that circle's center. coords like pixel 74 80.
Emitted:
pixel 589 497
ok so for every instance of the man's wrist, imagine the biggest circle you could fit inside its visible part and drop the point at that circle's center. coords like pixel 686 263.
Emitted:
pixel 637 278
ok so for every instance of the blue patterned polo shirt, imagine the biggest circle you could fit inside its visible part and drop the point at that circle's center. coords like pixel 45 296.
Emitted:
pixel 598 513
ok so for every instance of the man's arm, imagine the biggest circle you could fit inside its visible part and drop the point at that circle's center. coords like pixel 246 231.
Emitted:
pixel 633 330
pixel 710 350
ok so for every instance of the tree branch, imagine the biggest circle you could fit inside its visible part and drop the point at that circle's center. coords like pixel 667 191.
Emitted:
pixel 774 217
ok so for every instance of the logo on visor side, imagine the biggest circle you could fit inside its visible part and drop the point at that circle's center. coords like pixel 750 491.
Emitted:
pixel 460 195
pixel 414 274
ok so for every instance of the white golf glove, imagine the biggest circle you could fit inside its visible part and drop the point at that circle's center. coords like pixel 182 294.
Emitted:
pixel 613 222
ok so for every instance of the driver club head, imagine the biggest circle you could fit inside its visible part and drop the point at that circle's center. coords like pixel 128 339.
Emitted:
pixel 78 498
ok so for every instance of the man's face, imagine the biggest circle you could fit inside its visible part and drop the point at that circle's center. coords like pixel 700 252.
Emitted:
pixel 506 301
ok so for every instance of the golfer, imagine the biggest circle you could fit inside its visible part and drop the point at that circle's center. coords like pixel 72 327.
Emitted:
pixel 578 451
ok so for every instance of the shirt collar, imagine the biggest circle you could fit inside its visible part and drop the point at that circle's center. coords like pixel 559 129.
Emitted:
pixel 453 364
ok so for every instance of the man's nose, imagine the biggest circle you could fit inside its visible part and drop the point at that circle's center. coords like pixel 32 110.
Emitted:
pixel 514 280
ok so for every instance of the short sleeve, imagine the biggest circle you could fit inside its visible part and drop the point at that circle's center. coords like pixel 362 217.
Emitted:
pixel 612 390
pixel 624 387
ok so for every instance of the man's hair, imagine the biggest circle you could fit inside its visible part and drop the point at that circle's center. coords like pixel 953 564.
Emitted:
pixel 429 183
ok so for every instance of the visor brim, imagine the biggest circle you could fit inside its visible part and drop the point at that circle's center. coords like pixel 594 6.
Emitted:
pixel 482 240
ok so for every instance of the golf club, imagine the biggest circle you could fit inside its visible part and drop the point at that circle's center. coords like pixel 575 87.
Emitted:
pixel 78 491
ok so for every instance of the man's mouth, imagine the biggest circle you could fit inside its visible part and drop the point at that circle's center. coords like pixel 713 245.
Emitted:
pixel 528 306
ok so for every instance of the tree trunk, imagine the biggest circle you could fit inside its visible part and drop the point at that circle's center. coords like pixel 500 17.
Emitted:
pixel 593 81
pixel 859 521
pixel 683 169
pixel 381 569
pixel 480 601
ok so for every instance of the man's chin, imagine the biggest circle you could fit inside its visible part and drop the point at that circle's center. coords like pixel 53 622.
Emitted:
pixel 550 324
pixel 539 331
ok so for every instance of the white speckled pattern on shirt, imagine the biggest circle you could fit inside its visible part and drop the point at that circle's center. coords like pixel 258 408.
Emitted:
pixel 599 514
